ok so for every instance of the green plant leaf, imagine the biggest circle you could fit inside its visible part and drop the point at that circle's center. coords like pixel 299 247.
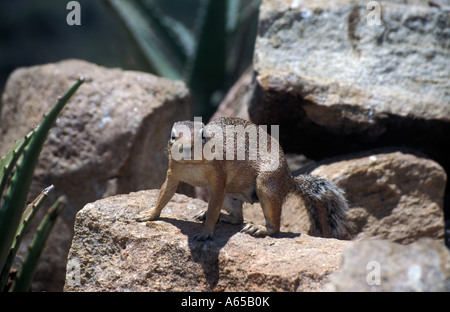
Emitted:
pixel 232 15
pixel 241 36
pixel 24 276
pixel 208 61
pixel 208 68
pixel 27 216
pixel 144 36
pixel 8 162
pixel 16 197
pixel 173 34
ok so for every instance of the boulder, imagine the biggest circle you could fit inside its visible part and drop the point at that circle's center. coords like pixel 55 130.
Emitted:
pixel 343 76
pixel 235 103
pixel 392 195
pixel 385 266
pixel 109 139
pixel 112 252
pixel 111 136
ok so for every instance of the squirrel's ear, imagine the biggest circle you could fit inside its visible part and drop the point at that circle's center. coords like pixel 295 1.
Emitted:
pixel 173 135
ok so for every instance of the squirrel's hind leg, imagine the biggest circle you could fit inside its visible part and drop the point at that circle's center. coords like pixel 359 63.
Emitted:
pixel 271 200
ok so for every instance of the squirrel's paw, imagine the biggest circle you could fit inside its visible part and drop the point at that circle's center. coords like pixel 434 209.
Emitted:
pixel 147 215
pixel 255 230
pixel 203 236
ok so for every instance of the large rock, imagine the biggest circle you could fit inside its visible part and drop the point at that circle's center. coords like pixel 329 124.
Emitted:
pixel 235 103
pixel 112 252
pixel 386 266
pixel 109 139
pixel 111 136
pixel 336 83
pixel 392 195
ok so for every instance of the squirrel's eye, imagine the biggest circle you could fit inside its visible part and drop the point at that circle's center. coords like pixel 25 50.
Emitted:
pixel 173 136
pixel 202 134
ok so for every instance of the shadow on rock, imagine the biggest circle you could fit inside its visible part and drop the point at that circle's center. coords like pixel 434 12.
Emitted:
pixel 207 252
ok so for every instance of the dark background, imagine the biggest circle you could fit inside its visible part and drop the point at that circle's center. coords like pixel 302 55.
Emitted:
pixel 36 32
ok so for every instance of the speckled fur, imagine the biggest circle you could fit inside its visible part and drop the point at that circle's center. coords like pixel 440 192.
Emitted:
pixel 232 182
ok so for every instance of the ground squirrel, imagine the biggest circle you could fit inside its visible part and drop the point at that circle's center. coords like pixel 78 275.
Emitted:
pixel 238 161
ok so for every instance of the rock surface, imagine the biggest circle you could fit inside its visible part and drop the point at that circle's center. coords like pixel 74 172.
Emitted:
pixel 386 266
pixel 235 103
pixel 112 252
pixel 112 134
pixel 338 84
pixel 392 195
pixel 109 139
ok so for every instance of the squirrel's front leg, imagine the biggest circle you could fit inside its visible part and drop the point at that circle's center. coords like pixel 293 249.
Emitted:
pixel 212 214
pixel 167 191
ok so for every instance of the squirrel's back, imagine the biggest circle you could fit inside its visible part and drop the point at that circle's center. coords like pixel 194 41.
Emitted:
pixel 325 202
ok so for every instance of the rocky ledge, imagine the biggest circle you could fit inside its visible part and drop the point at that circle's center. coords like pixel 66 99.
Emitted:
pixel 338 83
pixel 112 252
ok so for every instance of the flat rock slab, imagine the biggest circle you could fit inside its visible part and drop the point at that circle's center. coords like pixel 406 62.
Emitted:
pixel 112 252
pixel 379 265
pixel 338 83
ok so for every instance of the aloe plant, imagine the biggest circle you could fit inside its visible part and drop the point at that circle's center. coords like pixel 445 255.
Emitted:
pixel 210 59
pixel 22 159
pixel 27 216
pixel 24 276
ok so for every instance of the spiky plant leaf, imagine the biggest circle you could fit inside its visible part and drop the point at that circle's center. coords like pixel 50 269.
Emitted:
pixel 27 216
pixel 242 35
pixel 24 276
pixel 144 36
pixel 209 61
pixel 8 162
pixel 16 197
pixel 177 39
pixel 208 68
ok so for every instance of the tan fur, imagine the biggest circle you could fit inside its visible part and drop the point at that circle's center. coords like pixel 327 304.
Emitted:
pixel 232 182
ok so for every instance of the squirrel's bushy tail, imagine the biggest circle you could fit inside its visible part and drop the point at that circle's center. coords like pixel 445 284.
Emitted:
pixel 326 207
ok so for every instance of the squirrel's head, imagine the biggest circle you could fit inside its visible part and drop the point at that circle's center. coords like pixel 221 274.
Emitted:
pixel 186 141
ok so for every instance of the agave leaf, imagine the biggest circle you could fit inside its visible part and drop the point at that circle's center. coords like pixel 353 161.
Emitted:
pixel 208 68
pixel 232 15
pixel 24 276
pixel 241 39
pixel 209 61
pixel 27 216
pixel 15 199
pixel 31 208
pixel 174 35
pixel 183 35
pixel 146 39
pixel 8 162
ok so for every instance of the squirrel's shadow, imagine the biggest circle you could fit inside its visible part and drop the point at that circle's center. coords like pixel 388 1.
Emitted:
pixel 207 252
